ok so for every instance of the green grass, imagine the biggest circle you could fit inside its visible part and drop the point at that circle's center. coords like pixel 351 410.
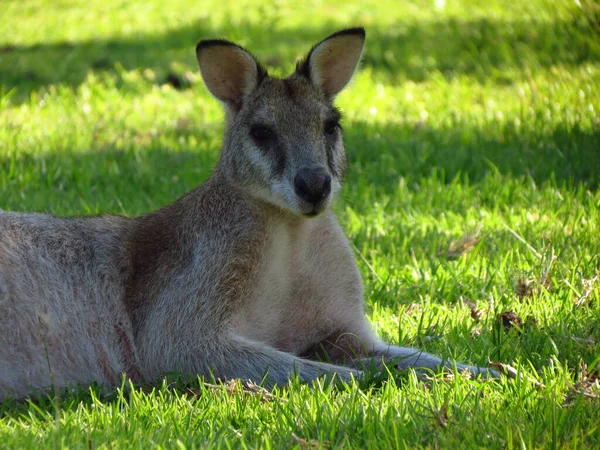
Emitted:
pixel 478 116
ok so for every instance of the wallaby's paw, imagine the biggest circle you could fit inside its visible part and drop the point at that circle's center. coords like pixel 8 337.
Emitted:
pixel 474 371
pixel 350 375
pixel 486 372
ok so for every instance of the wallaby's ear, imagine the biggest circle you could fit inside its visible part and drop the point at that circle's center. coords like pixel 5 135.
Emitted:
pixel 229 72
pixel 332 62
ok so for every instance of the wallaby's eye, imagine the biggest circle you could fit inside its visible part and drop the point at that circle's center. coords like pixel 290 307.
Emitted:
pixel 260 133
pixel 331 127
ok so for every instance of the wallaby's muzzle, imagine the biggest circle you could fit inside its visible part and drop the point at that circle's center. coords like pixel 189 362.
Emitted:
pixel 313 186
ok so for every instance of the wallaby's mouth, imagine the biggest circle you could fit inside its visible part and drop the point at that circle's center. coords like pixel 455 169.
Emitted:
pixel 313 213
pixel 316 209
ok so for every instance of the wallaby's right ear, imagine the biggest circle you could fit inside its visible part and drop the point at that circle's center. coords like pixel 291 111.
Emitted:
pixel 332 62
pixel 229 72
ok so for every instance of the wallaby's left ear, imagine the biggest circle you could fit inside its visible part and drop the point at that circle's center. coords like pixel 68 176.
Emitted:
pixel 230 72
pixel 332 62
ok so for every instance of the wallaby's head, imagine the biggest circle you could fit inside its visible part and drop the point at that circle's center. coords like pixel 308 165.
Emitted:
pixel 283 140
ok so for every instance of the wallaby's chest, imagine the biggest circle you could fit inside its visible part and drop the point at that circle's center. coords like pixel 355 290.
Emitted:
pixel 271 290
pixel 294 301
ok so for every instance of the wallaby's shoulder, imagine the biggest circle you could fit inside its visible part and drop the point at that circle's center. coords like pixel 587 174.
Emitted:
pixel 213 209
pixel 191 237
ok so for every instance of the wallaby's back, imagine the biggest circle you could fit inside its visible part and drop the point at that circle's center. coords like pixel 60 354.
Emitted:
pixel 61 311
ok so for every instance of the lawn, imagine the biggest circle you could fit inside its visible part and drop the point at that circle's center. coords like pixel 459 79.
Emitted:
pixel 472 203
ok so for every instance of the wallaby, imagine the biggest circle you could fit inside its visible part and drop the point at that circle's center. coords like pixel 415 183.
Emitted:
pixel 247 276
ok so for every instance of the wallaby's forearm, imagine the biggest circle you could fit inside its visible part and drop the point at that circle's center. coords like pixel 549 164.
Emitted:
pixel 240 358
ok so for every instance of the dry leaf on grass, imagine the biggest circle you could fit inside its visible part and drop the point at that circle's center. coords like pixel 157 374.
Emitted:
pixel 526 286
pixel 412 307
pixel 588 288
pixel 309 444
pixel 476 331
pixel 448 376
pixel 587 385
pixel 235 387
pixel 511 372
pixel 476 313
pixel 441 415
pixel 458 248
pixel 510 320
pixel 523 288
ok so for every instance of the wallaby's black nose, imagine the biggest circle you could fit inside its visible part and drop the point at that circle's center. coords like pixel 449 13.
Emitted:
pixel 312 185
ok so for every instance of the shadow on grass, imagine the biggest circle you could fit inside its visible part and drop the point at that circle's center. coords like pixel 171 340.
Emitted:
pixel 380 155
pixel 485 49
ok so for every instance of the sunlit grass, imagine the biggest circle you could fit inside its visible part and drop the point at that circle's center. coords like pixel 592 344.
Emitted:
pixel 467 117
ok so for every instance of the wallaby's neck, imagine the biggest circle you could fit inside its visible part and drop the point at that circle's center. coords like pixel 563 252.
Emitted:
pixel 163 242
pixel 217 205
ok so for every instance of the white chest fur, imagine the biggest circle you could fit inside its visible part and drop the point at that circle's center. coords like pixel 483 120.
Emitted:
pixel 307 286
pixel 262 311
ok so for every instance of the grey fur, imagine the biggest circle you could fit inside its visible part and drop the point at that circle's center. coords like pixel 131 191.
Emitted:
pixel 238 278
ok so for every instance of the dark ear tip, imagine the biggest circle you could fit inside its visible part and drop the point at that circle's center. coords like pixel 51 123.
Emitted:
pixel 205 43
pixel 357 31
